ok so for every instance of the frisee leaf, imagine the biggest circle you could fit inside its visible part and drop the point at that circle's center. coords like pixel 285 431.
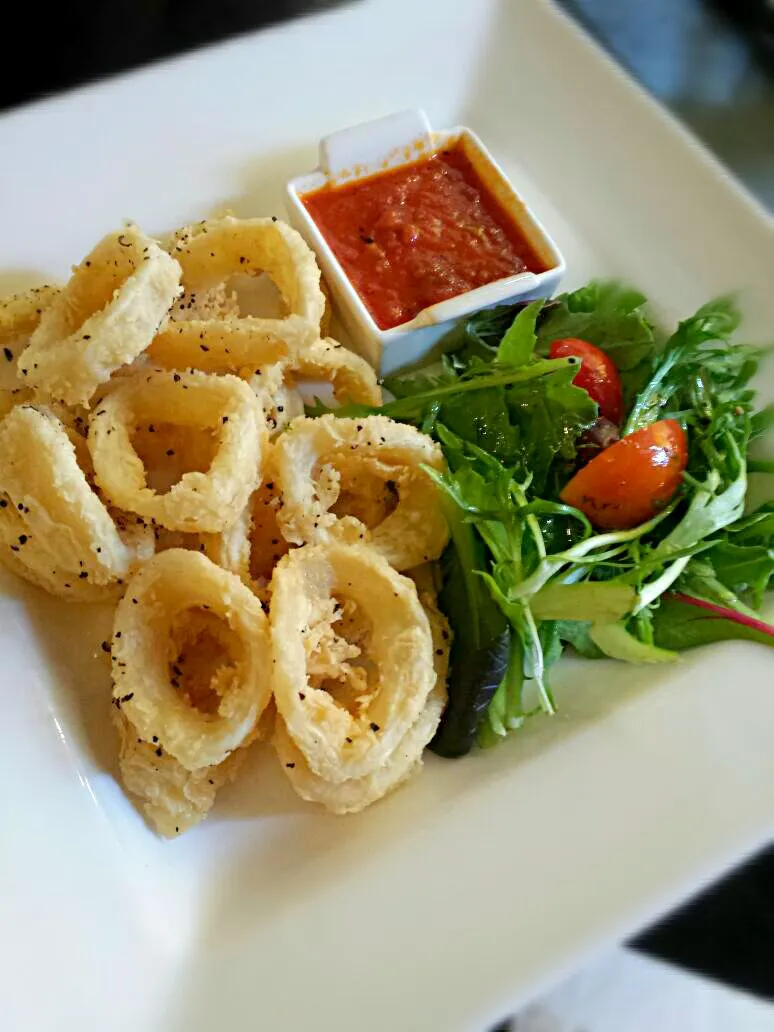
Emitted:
pixel 603 602
pixel 617 643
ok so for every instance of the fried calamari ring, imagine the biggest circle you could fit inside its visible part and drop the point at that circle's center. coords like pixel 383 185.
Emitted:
pixel 104 317
pixel 210 253
pixel 214 350
pixel 352 378
pixel 361 478
pixel 20 314
pixel 39 561
pixel 163 680
pixel 200 501
pixel 173 799
pixel 54 530
pixel 356 794
pixel 383 673
pixel 326 321
pixel 273 363
pixel 323 362
pixel 231 548
pixel 280 399
pixel 253 546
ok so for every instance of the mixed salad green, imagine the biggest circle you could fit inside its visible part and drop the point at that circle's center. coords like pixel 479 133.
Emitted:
pixel 526 573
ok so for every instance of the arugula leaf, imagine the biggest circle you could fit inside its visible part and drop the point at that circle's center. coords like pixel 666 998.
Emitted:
pixel 684 358
pixel 518 344
pixel 606 313
pixel 496 505
pixel 412 407
pixel 420 381
pixel 549 419
pixel 711 508
pixel 700 580
pixel 736 565
pixel 527 416
pixel 526 573
pixel 483 418
pixel 757 528
pixel 479 335
pixel 681 623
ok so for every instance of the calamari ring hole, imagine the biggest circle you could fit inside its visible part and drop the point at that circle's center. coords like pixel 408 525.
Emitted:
pixel 267 545
pixel 168 451
pixel 98 277
pixel 367 489
pixel 336 642
pixel 204 657
pixel 166 539
pixel 241 295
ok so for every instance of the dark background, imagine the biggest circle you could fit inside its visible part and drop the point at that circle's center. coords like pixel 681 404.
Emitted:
pixel 710 61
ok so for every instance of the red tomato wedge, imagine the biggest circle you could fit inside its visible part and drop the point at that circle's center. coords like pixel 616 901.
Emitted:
pixel 597 375
pixel 632 480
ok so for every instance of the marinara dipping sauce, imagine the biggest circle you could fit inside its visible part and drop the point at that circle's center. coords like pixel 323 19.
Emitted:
pixel 420 233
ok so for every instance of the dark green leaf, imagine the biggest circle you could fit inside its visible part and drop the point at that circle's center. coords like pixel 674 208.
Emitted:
pixel 426 381
pixel 548 422
pixel 576 633
pixel 744 568
pixel 480 645
pixel 678 626
pixel 479 336
pixel 483 419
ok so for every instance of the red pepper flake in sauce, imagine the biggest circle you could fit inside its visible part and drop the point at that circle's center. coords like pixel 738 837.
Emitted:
pixel 419 234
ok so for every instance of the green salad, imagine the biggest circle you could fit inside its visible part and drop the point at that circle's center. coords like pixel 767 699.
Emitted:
pixel 596 493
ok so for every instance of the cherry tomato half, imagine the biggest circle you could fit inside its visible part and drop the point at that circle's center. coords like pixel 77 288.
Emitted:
pixel 597 375
pixel 633 479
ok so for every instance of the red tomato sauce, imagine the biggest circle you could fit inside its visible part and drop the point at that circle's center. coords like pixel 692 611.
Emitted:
pixel 418 234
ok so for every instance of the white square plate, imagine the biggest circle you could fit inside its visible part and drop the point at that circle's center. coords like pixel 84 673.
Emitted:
pixel 486 878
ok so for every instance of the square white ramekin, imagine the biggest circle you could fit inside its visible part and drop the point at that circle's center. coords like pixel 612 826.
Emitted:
pixel 372 147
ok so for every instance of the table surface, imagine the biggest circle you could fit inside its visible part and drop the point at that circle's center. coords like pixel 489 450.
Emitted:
pixel 716 78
